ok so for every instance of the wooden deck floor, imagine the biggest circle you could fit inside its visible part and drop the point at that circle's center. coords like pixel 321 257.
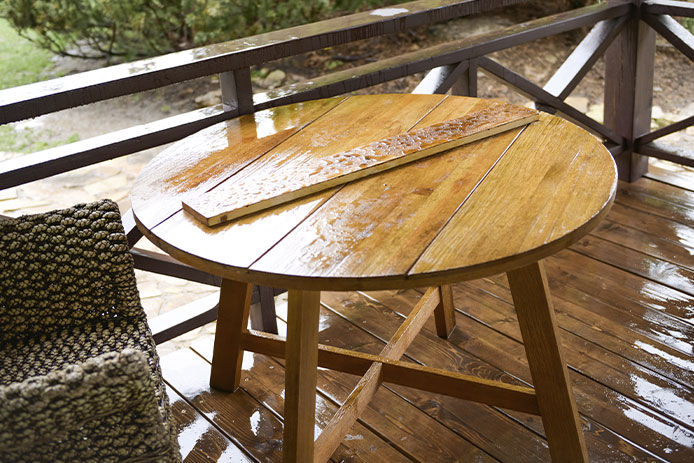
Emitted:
pixel 625 303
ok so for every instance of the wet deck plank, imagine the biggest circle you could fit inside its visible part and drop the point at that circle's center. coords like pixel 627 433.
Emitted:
pixel 625 308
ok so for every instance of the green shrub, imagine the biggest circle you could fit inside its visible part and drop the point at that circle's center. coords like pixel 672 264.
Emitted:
pixel 135 28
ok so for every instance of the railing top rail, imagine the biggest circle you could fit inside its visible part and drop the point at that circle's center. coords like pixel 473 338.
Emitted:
pixel 673 8
pixel 86 152
pixel 43 97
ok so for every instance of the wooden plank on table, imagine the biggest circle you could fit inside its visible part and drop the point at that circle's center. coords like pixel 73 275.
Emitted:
pixel 286 180
pixel 490 229
pixel 201 161
pixel 407 208
pixel 485 426
pixel 238 241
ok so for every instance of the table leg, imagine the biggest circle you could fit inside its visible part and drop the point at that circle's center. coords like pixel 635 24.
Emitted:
pixel 232 320
pixel 300 379
pixel 263 316
pixel 444 314
pixel 550 376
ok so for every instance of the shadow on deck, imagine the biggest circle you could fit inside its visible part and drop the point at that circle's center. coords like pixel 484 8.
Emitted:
pixel 624 297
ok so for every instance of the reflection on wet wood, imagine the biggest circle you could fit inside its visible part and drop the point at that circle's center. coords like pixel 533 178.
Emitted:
pixel 286 179
pixel 627 337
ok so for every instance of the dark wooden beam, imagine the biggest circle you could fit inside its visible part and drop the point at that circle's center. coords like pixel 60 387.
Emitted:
pixel 183 319
pixel 466 83
pixel 42 164
pixel 628 95
pixel 584 56
pixel 53 161
pixel 100 84
pixel 196 314
pixel 673 32
pixel 164 264
pixel 667 130
pixel 536 93
pixel 672 8
pixel 131 231
pixel 237 91
pixel 440 79
pixel 674 154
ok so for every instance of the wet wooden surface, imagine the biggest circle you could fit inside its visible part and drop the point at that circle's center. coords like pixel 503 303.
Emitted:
pixel 497 203
pixel 298 169
pixel 626 326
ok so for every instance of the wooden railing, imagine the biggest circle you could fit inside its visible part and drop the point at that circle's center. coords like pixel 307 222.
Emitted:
pixel 624 30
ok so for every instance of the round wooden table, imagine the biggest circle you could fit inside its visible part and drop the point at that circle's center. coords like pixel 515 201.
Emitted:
pixel 499 204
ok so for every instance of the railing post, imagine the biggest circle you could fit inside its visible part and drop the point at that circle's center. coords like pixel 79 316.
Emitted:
pixel 466 85
pixel 237 93
pixel 629 65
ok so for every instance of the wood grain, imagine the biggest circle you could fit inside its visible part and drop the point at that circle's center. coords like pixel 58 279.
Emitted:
pixel 550 377
pixel 421 224
pixel 361 395
pixel 370 118
pixel 232 320
pixel 598 383
pixel 200 161
pixel 187 373
pixel 377 227
pixel 444 315
pixel 531 205
pixel 300 381
pixel 481 341
pixel 436 380
pixel 269 186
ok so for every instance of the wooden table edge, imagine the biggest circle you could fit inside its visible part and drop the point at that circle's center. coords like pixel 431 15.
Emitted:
pixel 449 276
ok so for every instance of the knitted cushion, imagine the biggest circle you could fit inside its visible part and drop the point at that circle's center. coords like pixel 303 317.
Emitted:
pixel 97 411
pixel 79 374
pixel 62 266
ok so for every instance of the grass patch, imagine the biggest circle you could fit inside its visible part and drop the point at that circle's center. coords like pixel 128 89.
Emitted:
pixel 21 61
pixel 27 140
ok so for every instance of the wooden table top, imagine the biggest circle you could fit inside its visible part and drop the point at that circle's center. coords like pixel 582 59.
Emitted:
pixel 484 208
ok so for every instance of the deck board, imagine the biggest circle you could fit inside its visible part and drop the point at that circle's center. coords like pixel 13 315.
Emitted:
pixel 625 309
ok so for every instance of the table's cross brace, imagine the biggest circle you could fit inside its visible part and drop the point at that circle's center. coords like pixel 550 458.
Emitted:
pixel 424 378
pixel 386 367
pixel 304 354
